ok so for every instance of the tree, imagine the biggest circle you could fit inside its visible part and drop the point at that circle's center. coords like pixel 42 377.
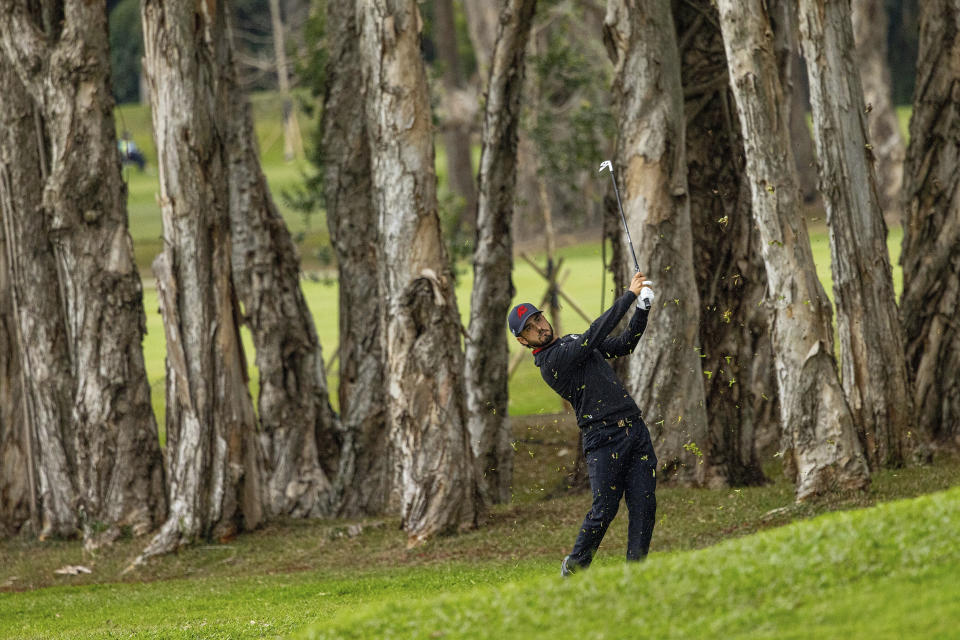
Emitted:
pixel 18 487
pixel 819 433
pixel 666 376
pixel 298 429
pixel 871 339
pixel 869 19
pixel 931 229
pixel 737 360
pixel 37 366
pixel 100 424
pixel 485 374
pixel 365 481
pixel 421 325
pixel 214 465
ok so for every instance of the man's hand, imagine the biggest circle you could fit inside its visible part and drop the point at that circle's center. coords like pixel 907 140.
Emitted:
pixel 637 283
pixel 645 300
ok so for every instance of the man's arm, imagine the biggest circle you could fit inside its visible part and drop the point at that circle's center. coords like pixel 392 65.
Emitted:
pixel 626 342
pixel 593 337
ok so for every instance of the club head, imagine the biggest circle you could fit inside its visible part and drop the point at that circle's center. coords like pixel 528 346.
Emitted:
pixel 606 165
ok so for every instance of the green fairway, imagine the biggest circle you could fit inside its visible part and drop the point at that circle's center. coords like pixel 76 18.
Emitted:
pixel 886 572
pixel 719 568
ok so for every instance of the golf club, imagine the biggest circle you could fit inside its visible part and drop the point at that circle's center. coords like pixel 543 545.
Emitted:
pixel 609 165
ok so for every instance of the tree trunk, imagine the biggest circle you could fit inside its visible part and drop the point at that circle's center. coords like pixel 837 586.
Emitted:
pixel 485 375
pixel 456 123
pixel 18 491
pixel 931 229
pixel 819 434
pixel 364 482
pixel 298 428
pixel 213 459
pixel 871 340
pixel 38 364
pixel 737 360
pixel 113 450
pixel 421 321
pixel 793 81
pixel 665 374
pixel 870 34
pixel 483 17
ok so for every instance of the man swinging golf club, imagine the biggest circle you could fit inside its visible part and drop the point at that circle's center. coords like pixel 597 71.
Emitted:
pixel 616 443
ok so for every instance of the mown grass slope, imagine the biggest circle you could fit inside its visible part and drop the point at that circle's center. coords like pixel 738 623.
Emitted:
pixel 885 572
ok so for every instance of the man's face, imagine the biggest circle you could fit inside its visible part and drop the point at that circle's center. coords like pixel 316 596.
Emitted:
pixel 537 333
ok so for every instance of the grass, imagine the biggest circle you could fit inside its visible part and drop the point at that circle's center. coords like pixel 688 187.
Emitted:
pixel 293 574
pixel 887 572
pixel 855 574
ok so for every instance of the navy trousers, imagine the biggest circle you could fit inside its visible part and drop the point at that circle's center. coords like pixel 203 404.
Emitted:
pixel 621 464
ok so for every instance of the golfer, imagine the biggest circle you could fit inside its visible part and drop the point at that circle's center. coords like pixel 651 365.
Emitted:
pixel 616 442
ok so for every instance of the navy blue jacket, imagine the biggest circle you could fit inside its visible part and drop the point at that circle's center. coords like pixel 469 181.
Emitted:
pixel 576 367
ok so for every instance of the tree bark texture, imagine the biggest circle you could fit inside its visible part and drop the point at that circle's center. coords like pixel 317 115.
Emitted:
pixel 60 53
pixel 298 428
pixel 18 487
pixel 873 370
pixel 737 360
pixel 424 371
pixel 793 82
pixel 819 433
pixel 214 466
pixel 364 482
pixel 456 123
pixel 487 359
pixel 665 373
pixel 931 230
pixel 37 368
pixel 869 19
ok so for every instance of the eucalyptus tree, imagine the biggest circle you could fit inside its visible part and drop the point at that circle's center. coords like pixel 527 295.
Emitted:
pixel 420 321
pixel 819 435
pixel 215 466
pixel 365 480
pixel 81 325
pixel 485 374
pixel 931 228
pixel 736 359
pixel 665 376
pixel 871 338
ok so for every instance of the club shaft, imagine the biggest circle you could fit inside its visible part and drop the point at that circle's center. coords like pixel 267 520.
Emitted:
pixel 623 219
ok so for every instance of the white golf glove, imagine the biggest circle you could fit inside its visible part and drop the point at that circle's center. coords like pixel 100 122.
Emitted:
pixel 645 299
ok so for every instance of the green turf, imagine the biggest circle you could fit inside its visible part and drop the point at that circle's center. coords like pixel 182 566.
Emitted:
pixel 291 574
pixel 885 572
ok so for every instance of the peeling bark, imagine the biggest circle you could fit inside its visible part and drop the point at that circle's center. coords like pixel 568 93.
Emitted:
pixel 485 375
pixel 737 359
pixel 298 428
pixel 107 427
pixel 931 229
pixel 364 482
pixel 871 339
pixel 819 434
pixel 214 466
pixel 421 322
pixel 665 375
